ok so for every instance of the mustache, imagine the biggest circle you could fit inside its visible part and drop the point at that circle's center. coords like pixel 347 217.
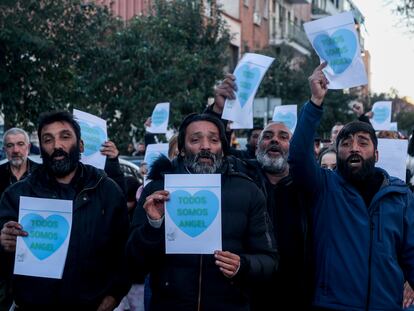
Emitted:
pixel 274 147
pixel 205 154
pixel 59 153
pixel 354 157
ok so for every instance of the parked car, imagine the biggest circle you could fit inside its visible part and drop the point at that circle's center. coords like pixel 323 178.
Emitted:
pixel 137 160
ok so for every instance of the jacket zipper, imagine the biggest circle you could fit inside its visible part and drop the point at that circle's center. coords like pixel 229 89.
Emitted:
pixel 371 237
pixel 199 284
pixel 90 188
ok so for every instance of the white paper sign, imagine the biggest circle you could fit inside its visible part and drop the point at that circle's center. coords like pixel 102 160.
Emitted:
pixel 43 252
pixel 335 41
pixel 249 73
pixel 153 151
pixel 287 114
pixel 193 214
pixel 93 134
pixel 159 119
pixel 392 155
pixel 237 126
pixel 381 120
pixel 393 126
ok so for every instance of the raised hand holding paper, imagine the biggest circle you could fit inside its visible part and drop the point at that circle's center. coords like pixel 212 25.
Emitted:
pixel 249 73
pixel 159 118
pixel 193 214
pixel 335 41
pixel 287 114
pixel 93 134
pixel 43 252
pixel 381 120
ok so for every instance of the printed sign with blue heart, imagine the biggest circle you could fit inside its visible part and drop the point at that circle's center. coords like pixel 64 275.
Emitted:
pixel 288 118
pixel 247 80
pixel 159 116
pixel 93 137
pixel 46 235
pixel 338 50
pixel 381 114
pixel 193 214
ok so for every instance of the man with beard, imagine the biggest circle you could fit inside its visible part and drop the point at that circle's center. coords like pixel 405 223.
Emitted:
pixel 362 218
pixel 93 276
pixel 16 145
pixel 203 282
pixel 288 215
pixel 270 172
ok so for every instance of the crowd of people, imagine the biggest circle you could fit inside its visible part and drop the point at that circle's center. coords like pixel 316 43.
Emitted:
pixel 303 227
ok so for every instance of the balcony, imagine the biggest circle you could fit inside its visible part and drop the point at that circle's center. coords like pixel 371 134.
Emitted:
pixel 293 35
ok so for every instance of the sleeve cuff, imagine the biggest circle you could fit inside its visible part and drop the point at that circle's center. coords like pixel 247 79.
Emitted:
pixel 156 223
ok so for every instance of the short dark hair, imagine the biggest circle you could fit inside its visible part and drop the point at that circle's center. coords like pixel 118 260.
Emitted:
pixel 194 117
pixel 355 127
pixel 58 116
pixel 250 132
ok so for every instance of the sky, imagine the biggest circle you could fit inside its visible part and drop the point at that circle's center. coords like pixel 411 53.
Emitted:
pixel 391 48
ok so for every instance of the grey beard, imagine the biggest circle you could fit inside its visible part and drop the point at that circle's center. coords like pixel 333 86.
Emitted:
pixel 16 162
pixel 191 162
pixel 271 165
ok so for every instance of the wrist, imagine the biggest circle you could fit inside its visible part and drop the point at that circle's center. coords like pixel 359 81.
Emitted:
pixel 317 101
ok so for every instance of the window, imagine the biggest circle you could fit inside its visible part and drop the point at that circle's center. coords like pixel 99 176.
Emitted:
pixel 245 2
pixel 266 9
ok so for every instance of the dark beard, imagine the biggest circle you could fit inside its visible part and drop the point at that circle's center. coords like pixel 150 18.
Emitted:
pixel 61 168
pixel 191 162
pixel 356 177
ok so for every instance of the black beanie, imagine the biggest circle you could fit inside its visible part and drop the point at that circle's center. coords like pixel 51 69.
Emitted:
pixel 194 117
pixel 355 127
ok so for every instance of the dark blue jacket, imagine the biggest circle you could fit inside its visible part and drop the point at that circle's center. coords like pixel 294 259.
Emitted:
pixel 362 255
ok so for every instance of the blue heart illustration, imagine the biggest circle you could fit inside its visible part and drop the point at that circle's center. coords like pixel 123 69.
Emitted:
pixel 159 116
pixel 193 214
pixel 381 114
pixel 288 118
pixel 338 50
pixel 92 136
pixel 247 79
pixel 46 235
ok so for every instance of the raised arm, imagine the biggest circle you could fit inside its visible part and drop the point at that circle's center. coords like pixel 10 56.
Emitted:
pixel 304 169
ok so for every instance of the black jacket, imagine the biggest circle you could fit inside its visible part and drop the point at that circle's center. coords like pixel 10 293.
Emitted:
pixel 290 285
pixel 186 282
pixel 6 177
pixel 94 265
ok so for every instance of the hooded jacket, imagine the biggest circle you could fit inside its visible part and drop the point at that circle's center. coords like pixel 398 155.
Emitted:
pixel 194 282
pixel 362 254
pixel 94 266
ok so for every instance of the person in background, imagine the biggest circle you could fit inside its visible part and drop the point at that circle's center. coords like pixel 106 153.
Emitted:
pixel 327 158
pixel 16 146
pixel 334 132
pixel 134 300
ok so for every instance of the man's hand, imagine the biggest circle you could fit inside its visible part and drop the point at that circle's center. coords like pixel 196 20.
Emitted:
pixel 408 297
pixel 109 149
pixel 229 263
pixel 358 109
pixel 225 90
pixel 11 230
pixel 107 304
pixel 148 122
pixel 154 204
pixel 318 84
